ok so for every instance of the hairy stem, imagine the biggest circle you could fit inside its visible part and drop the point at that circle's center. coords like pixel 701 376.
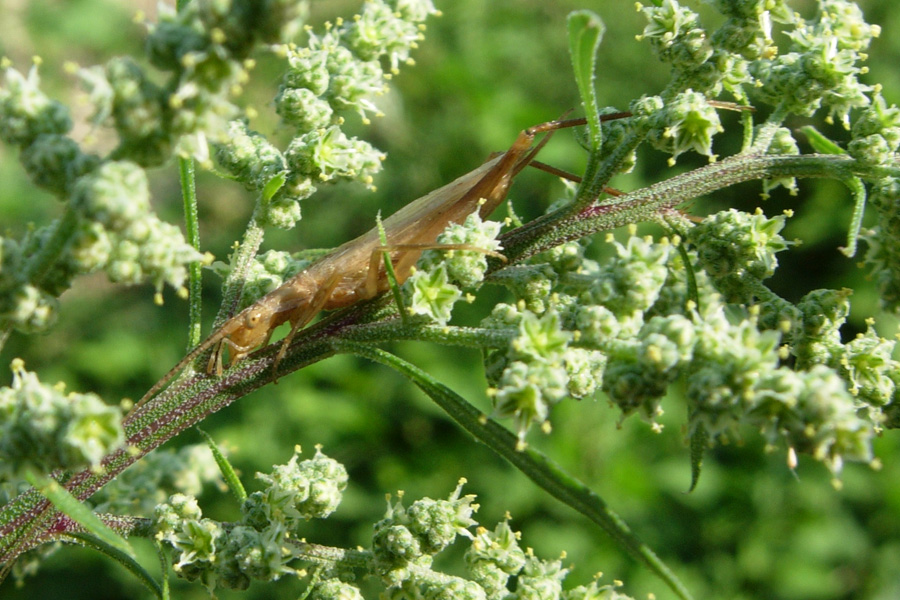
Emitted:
pixel 649 203
pixel 192 228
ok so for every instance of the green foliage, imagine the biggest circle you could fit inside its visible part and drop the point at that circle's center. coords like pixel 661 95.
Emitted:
pixel 44 429
pixel 728 321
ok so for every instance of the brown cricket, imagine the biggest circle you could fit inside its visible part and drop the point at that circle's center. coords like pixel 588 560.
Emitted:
pixel 355 270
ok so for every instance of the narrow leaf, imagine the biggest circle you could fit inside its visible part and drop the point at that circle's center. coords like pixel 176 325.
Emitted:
pixel 859 208
pixel 389 270
pixel 120 557
pixel 585 32
pixel 819 142
pixel 699 442
pixel 192 230
pixel 692 291
pixel 273 185
pixel 228 473
pixel 78 512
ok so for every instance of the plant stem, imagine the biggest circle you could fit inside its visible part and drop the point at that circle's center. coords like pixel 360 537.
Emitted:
pixel 651 202
pixel 192 228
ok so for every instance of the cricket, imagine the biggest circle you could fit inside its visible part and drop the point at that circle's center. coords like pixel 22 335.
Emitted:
pixel 356 271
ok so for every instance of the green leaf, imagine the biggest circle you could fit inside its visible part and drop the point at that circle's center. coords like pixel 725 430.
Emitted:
pixel 858 189
pixel 78 512
pixel 192 230
pixel 389 269
pixel 228 472
pixel 819 142
pixel 699 442
pixel 823 145
pixel 585 32
pixel 120 557
pixel 273 185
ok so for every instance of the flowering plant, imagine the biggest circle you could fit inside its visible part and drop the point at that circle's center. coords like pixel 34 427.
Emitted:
pixel 689 310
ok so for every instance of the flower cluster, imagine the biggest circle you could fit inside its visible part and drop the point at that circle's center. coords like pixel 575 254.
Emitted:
pixel 821 67
pixel 118 232
pixel 629 326
pixel 441 275
pixel 255 548
pixel 108 226
pixel 337 72
pixel 404 544
pixel 44 429
pixel 335 589
pixel 204 51
pixel 540 368
pixel 737 251
pixel 297 492
pixel 26 113
pixel 876 135
pixel 158 475
pixel 688 123
pixel 632 326
pixel 409 537
pixel 703 65
pixel 676 35
pixel 406 540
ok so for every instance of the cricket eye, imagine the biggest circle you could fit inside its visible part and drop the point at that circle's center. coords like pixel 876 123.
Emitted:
pixel 252 319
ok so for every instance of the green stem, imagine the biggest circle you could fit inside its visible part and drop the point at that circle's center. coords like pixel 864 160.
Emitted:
pixel 747 137
pixel 467 337
pixel 690 278
pixel 240 266
pixel 4 335
pixel 596 176
pixel 192 228
pixel 767 130
pixel 330 556
pixel 649 203
pixel 858 190
pixel 29 520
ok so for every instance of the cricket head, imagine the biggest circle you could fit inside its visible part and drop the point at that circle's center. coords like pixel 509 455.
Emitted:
pixel 253 326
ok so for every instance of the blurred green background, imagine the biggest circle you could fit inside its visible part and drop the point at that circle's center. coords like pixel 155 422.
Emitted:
pixel 488 68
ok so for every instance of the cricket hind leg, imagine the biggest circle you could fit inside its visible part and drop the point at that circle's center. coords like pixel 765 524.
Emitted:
pixel 569 176
pixel 550 127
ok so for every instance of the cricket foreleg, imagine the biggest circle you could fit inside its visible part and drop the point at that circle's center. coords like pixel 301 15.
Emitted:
pixel 206 344
pixel 236 353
